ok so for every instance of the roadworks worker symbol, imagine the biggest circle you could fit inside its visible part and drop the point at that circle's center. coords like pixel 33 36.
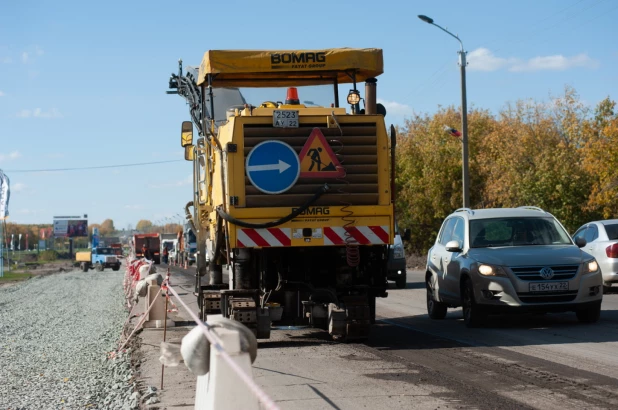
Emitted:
pixel 317 159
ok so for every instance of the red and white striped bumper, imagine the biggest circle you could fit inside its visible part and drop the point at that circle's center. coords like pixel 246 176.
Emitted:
pixel 252 238
pixel 337 235
pixel 362 235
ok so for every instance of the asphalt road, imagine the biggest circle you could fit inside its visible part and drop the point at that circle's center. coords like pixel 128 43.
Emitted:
pixel 544 362
pixel 410 361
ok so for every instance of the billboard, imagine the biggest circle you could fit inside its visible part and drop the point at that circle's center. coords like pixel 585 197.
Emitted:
pixel 70 227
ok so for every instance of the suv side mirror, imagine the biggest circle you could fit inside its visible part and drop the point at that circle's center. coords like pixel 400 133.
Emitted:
pixel 186 134
pixel 580 242
pixel 453 246
pixel 407 233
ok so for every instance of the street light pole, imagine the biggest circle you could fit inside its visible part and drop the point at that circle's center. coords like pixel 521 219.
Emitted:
pixel 465 175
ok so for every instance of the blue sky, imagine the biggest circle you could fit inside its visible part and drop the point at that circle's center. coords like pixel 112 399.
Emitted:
pixel 83 83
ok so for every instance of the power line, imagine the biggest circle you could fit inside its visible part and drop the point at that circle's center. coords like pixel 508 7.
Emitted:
pixel 137 164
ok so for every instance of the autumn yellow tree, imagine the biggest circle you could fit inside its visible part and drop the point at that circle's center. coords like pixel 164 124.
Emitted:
pixel 107 227
pixel 601 159
pixel 143 225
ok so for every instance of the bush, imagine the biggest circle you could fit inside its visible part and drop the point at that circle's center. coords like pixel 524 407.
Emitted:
pixel 48 256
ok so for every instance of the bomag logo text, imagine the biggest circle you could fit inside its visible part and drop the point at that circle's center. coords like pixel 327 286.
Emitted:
pixel 317 210
pixel 298 60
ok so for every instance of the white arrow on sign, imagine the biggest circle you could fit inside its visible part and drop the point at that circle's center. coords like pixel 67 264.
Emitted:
pixel 281 166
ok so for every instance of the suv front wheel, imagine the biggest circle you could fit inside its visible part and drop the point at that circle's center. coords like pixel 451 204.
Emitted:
pixel 473 314
pixel 435 309
pixel 590 314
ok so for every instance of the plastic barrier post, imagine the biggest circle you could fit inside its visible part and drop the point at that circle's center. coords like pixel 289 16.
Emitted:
pixel 225 390
pixel 158 314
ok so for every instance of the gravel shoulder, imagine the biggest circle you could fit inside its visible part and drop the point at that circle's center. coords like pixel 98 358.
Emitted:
pixel 59 333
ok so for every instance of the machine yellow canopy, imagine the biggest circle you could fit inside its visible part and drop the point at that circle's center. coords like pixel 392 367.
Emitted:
pixel 285 68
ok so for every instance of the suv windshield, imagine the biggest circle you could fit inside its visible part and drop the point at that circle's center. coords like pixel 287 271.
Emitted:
pixel 105 251
pixel 516 231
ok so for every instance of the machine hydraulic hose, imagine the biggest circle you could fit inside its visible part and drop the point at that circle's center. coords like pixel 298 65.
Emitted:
pixel 278 222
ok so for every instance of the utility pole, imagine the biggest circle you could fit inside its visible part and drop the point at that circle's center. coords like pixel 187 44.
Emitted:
pixel 465 175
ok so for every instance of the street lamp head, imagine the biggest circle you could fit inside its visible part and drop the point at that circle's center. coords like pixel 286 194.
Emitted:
pixel 425 19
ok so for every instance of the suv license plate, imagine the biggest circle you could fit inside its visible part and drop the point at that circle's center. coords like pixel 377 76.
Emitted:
pixel 285 118
pixel 548 287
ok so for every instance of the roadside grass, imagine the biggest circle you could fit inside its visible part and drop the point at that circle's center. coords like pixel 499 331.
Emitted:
pixel 15 276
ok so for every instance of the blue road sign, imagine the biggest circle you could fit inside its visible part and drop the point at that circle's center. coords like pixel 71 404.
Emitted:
pixel 272 167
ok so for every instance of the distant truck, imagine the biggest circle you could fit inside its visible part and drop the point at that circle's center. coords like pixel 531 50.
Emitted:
pixel 117 247
pixel 97 259
pixel 169 241
pixel 153 243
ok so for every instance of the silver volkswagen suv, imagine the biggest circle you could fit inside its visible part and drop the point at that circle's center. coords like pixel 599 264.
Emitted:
pixel 494 261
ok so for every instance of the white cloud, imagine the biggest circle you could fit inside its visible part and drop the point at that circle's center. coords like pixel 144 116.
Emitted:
pixel 39 113
pixel 396 109
pixel 11 156
pixel 28 56
pixel 483 59
pixel 2 94
pixel 7 60
pixel 18 187
pixel 26 211
pixel 556 63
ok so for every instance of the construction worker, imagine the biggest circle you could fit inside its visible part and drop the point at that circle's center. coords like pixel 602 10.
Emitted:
pixel 146 252
pixel 165 254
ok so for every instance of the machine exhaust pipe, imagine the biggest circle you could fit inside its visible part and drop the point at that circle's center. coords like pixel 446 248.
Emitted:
pixel 371 96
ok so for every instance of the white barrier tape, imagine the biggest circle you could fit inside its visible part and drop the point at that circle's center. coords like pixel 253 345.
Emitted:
pixel 142 320
pixel 216 343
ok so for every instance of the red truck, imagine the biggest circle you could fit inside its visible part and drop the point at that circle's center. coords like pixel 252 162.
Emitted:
pixel 153 243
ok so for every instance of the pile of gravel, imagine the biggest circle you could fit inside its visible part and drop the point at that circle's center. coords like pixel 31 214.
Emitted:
pixel 58 335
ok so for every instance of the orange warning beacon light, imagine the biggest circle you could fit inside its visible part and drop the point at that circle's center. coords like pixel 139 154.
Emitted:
pixel 292 96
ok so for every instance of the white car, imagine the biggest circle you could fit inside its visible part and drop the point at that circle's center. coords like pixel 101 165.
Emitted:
pixel 602 242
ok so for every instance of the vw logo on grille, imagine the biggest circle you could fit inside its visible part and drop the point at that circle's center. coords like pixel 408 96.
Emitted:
pixel 547 273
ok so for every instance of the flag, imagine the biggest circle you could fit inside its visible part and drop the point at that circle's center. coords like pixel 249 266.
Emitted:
pixel 4 195
pixel 452 131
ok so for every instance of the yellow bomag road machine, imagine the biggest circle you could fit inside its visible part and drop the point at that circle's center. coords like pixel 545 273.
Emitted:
pixel 294 199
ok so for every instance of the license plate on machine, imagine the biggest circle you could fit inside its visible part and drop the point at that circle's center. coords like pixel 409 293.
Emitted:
pixel 548 287
pixel 285 118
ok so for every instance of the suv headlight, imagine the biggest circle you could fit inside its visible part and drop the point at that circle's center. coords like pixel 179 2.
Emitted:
pixel 398 251
pixel 491 270
pixel 591 266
